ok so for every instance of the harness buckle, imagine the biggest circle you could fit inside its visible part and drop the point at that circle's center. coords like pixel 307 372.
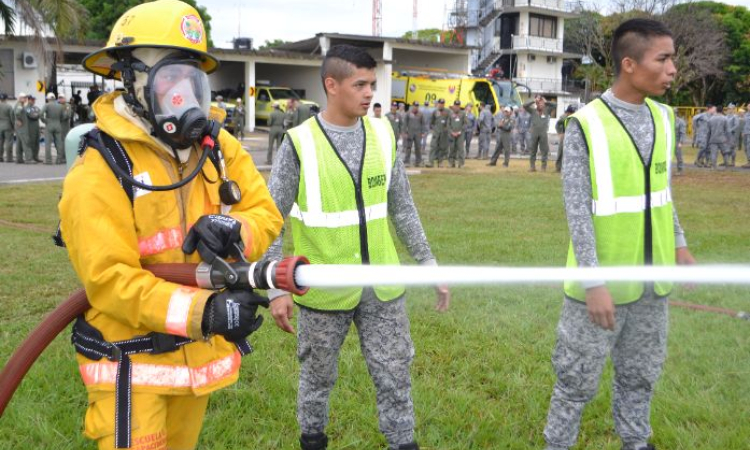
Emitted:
pixel 116 353
pixel 162 343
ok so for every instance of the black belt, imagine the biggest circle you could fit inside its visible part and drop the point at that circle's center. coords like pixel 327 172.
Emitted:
pixel 90 343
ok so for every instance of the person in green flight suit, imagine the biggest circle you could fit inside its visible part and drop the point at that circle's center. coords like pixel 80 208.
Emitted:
pixel 6 129
pixel 21 122
pixel 276 123
pixel 456 140
pixel 33 113
pixel 439 126
pixel 52 117
pixel 539 108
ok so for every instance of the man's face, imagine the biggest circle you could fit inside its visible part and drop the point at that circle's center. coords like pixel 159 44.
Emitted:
pixel 440 106
pixel 394 108
pixel 352 95
pixel 415 108
pixel 540 102
pixel 377 111
pixel 654 73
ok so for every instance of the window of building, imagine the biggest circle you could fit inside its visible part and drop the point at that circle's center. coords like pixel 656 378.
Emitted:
pixel 542 26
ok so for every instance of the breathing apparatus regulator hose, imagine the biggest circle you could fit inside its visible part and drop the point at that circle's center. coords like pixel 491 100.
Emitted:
pixel 207 145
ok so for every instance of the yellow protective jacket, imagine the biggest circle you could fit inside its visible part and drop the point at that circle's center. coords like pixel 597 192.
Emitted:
pixel 108 239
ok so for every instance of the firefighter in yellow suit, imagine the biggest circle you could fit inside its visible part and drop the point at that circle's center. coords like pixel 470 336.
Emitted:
pixel 158 50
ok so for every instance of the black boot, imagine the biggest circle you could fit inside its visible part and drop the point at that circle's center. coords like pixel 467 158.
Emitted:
pixel 317 441
pixel 409 446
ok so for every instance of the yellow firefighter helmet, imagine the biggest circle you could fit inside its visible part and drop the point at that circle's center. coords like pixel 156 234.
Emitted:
pixel 159 24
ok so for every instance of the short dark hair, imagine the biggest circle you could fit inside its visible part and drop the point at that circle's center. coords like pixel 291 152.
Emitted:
pixel 340 61
pixel 630 39
pixel 377 105
pixel 719 108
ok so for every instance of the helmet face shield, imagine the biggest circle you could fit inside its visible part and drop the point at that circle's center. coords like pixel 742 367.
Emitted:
pixel 179 97
pixel 177 87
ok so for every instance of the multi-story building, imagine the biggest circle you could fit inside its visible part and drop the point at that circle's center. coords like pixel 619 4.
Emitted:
pixel 519 39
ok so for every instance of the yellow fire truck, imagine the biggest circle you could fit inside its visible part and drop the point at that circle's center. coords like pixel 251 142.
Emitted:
pixel 409 87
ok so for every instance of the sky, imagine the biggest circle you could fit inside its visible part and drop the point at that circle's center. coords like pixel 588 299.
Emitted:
pixel 293 20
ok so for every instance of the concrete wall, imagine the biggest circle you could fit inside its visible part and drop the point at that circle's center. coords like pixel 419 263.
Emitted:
pixel 403 58
pixel 24 80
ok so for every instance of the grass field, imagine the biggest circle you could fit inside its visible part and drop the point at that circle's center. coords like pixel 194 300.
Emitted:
pixel 482 374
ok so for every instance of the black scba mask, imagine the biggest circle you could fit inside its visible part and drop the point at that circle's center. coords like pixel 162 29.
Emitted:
pixel 179 99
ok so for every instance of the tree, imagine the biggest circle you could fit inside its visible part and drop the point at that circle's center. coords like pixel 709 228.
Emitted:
pixel 63 18
pixel 272 44
pixel 429 34
pixel 701 52
pixel 104 13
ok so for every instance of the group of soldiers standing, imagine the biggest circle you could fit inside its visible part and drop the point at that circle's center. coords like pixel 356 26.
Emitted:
pixel 715 132
pixel 453 130
pixel 20 124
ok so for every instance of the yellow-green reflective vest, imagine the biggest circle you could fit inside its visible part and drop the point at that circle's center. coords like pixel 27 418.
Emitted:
pixel 632 200
pixel 336 221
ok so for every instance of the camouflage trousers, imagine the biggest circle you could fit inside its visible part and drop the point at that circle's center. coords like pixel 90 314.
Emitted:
pixel 638 347
pixel 386 344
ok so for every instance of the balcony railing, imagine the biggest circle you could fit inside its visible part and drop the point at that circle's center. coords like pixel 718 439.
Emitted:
pixel 541 85
pixel 554 5
pixel 537 43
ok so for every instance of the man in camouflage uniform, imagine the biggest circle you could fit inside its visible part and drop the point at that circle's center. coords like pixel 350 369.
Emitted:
pixel 599 319
pixel 414 128
pixel 21 123
pixel 733 124
pixel 33 113
pixel 439 127
pixel 700 135
pixel 6 129
pixel 486 122
pixel 456 127
pixel 52 117
pixel 381 322
pixel 680 131
pixel 505 126
pixel 718 137
pixel 746 137
pixel 560 129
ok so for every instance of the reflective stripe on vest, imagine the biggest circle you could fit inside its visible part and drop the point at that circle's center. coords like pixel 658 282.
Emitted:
pixel 631 202
pixel 337 221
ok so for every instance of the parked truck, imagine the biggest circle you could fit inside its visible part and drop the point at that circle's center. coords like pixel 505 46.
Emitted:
pixel 410 87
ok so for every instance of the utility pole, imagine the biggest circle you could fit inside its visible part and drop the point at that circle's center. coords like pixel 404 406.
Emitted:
pixel 414 20
pixel 377 18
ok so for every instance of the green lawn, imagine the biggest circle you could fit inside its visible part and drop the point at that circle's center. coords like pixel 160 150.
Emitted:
pixel 482 374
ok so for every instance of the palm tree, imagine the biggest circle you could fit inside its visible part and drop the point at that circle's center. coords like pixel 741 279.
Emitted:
pixel 60 18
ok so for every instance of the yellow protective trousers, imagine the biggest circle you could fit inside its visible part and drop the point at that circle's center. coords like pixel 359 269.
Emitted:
pixel 159 422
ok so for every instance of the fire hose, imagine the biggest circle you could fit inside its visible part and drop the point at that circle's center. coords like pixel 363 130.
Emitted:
pixel 241 275
pixel 297 276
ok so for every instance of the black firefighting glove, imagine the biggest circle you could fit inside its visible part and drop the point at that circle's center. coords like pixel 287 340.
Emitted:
pixel 214 235
pixel 233 314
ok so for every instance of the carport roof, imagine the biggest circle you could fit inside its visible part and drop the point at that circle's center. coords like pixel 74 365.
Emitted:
pixel 312 45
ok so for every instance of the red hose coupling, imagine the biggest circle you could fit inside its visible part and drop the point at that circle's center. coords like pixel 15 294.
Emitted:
pixel 285 275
